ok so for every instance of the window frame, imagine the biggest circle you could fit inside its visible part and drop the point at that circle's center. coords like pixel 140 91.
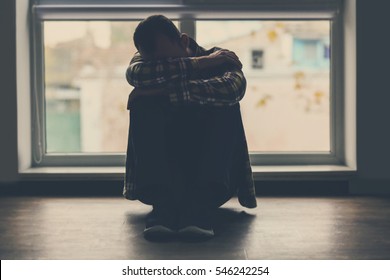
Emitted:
pixel 188 14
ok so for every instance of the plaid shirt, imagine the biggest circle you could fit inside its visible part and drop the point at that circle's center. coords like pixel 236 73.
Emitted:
pixel 186 84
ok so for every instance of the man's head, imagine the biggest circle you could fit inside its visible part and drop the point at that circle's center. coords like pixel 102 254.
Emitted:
pixel 157 37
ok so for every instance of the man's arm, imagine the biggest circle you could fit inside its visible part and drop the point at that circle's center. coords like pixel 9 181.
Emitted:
pixel 141 73
pixel 225 90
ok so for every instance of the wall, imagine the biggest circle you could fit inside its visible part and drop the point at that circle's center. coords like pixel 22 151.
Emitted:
pixel 8 118
pixel 373 97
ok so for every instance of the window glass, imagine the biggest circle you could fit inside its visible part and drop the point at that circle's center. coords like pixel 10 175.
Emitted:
pixel 85 87
pixel 286 63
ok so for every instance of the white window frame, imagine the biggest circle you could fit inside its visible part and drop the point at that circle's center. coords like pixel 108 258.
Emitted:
pixel 343 88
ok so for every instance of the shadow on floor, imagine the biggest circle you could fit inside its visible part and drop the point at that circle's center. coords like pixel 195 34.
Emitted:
pixel 231 228
pixel 232 223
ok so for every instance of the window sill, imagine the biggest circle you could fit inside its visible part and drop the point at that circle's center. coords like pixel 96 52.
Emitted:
pixel 259 172
pixel 302 172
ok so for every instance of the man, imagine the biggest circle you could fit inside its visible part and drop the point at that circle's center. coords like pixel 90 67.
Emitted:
pixel 187 153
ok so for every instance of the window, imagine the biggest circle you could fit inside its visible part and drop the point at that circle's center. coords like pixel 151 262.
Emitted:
pixel 82 48
pixel 311 53
pixel 257 59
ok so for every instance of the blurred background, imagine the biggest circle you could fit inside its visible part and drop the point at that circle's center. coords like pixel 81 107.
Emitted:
pixel 286 63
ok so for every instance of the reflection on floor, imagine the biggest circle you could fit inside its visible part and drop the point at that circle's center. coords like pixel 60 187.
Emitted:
pixel 279 228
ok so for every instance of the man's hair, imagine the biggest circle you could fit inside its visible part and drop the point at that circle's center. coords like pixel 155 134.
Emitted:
pixel 147 30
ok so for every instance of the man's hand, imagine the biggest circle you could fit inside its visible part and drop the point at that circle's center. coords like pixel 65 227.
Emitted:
pixel 219 58
pixel 138 93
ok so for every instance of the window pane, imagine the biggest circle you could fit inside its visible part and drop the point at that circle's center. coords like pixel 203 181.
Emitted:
pixel 85 87
pixel 286 63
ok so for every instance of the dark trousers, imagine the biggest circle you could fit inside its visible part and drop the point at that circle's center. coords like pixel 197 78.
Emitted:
pixel 184 154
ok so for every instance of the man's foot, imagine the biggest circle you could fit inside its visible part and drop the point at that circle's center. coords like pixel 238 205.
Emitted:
pixel 196 225
pixel 160 225
pixel 196 232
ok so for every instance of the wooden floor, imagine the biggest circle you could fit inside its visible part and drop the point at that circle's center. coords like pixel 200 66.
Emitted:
pixel 280 228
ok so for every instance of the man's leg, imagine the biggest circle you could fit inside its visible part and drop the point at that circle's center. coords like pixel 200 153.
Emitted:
pixel 216 136
pixel 149 120
pixel 187 154
pixel 222 140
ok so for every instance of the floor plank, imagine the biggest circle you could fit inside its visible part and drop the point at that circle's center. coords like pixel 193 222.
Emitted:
pixel 280 228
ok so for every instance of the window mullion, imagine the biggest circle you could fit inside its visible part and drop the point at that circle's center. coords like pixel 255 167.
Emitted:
pixel 187 25
pixel 38 92
pixel 337 88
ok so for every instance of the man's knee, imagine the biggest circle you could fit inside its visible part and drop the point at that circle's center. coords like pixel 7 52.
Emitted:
pixel 149 104
pixel 148 112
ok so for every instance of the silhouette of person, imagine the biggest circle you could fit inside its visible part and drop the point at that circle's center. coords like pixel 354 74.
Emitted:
pixel 187 153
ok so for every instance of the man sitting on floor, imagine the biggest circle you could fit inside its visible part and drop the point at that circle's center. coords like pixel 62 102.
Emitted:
pixel 187 152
